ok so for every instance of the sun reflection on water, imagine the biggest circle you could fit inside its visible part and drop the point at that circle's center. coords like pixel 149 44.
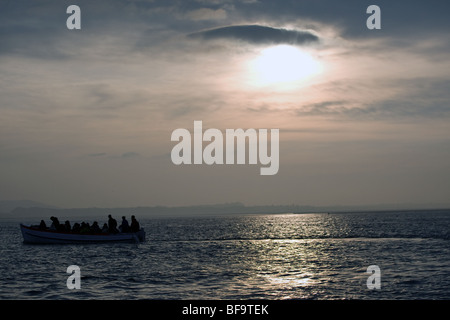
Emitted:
pixel 289 268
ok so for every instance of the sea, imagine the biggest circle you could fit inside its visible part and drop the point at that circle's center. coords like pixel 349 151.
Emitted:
pixel 392 255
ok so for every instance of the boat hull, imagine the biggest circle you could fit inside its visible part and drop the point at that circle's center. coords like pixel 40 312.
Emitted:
pixel 37 236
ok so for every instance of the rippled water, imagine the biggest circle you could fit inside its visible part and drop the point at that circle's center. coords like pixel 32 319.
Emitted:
pixel 289 256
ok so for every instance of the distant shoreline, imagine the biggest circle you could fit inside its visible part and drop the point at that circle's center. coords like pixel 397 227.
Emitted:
pixel 203 210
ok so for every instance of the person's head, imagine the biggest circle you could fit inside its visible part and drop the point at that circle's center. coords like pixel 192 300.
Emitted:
pixel 109 216
pixel 123 217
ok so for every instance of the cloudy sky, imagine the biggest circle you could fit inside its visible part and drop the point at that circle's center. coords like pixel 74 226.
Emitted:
pixel 86 115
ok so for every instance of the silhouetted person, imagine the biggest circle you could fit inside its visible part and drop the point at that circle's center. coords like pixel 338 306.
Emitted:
pixel 55 224
pixel 112 225
pixel 95 228
pixel 67 226
pixel 124 227
pixel 76 227
pixel 105 228
pixel 85 228
pixel 134 224
pixel 42 225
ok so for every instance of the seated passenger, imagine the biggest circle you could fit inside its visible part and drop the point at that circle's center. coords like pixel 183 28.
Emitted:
pixel 105 228
pixel 55 224
pixel 95 228
pixel 124 227
pixel 42 225
pixel 134 225
pixel 76 228
pixel 112 225
pixel 85 227
pixel 67 226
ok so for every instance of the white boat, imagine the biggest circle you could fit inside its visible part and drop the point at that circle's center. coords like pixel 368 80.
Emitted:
pixel 33 234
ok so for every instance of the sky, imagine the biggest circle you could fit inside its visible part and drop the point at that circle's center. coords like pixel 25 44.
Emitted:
pixel 86 116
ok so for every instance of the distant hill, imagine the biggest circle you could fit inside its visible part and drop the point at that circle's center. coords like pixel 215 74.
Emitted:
pixel 215 209
pixel 8 206
pixel 44 212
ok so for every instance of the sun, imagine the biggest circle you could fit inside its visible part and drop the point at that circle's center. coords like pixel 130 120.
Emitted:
pixel 283 66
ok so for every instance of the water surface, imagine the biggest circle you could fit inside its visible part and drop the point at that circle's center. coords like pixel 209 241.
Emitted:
pixel 279 256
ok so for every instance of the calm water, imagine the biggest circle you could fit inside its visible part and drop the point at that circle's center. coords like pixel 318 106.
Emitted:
pixel 289 256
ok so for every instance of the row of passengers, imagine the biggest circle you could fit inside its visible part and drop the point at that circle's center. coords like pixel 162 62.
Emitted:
pixel 84 227
pixel 124 227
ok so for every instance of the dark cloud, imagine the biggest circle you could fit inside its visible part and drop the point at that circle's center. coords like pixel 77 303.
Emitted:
pixel 38 28
pixel 425 98
pixel 257 34
pixel 322 108
pixel 400 19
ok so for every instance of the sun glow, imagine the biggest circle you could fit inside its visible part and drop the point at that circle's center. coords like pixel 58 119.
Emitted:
pixel 283 66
